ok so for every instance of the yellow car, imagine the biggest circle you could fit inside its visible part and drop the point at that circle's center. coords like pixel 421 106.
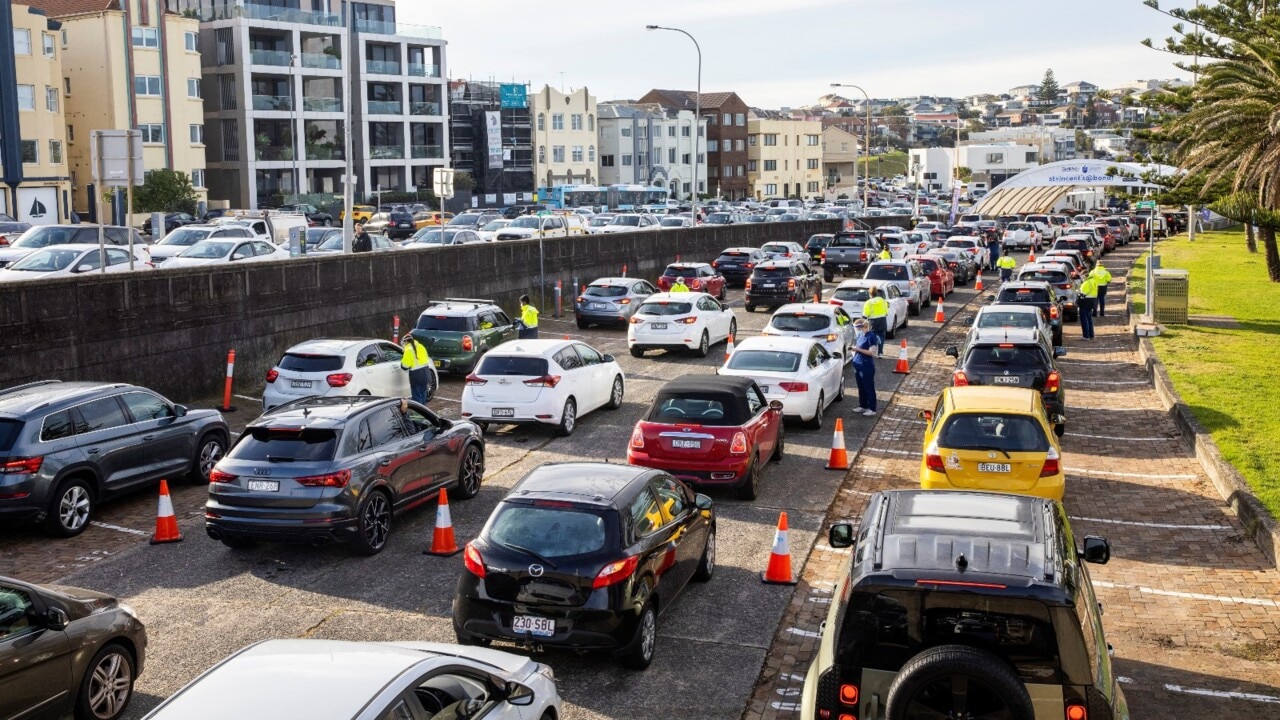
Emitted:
pixel 991 438
pixel 430 218
pixel 358 212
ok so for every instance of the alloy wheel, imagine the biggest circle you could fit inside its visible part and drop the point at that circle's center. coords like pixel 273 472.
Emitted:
pixel 110 685
pixel 377 520
pixel 210 454
pixel 74 508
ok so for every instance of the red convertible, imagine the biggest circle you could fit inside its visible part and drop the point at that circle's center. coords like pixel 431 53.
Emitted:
pixel 699 277
pixel 942 282
pixel 710 430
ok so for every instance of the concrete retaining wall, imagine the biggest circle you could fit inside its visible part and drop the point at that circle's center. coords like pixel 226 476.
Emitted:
pixel 170 329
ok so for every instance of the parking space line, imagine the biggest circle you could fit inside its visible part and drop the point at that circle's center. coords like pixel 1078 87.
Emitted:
pixel 1264 602
pixel 1225 695
pixel 1084 381
pixel 248 397
pixel 1154 476
pixel 1112 437
pixel 909 453
pixel 117 528
pixel 804 633
pixel 1098 362
pixel 1168 526
pixel 785 706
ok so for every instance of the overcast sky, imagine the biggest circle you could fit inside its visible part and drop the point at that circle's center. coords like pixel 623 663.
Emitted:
pixel 778 53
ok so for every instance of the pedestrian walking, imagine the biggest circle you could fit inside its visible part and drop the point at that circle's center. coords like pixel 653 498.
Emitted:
pixel 362 242
pixel 876 310
pixel 528 319
pixel 1103 276
pixel 417 361
pixel 1085 304
pixel 1007 265
pixel 864 367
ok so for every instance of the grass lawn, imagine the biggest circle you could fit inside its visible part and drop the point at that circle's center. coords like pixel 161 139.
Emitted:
pixel 885 166
pixel 1227 375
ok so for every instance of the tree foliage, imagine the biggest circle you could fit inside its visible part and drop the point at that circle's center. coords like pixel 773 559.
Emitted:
pixel 1049 88
pixel 165 191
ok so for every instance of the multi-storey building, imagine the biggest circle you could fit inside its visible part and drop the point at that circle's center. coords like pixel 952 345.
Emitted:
pixel 34 183
pixel 839 158
pixel 784 156
pixel 282 83
pixel 651 145
pixel 564 136
pixel 505 176
pixel 726 116
pixel 130 65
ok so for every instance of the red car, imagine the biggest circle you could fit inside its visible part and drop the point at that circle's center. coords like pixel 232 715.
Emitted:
pixel 710 430
pixel 942 281
pixel 698 277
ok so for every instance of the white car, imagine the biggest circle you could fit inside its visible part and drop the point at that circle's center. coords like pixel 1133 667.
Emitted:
pixel 339 368
pixel 553 382
pixel 597 223
pixel 1020 235
pixel 57 261
pixel 799 372
pixel 784 250
pixel 629 222
pixel 1009 315
pixel 826 323
pixel 216 252
pixel 908 276
pixel 851 295
pixel 906 244
pixel 688 320
pixel 675 221
pixel 367 681
pixel 187 235
pixel 45 235
pixel 434 237
pixel 974 248
pixel 489 232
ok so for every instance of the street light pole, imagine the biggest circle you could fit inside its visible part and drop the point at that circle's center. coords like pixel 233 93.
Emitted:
pixel 866 182
pixel 299 140
pixel 697 112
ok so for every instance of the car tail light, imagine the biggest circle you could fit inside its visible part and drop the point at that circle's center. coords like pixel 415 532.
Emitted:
pixel 791 284
pixel 794 386
pixel 715 263
pixel 338 379
pixel 4 241
pixel 272 374
pixel 544 381
pixel 1076 711
pixel 862 256
pixel 1066 286
pixel 1051 465
pixel 468 344
pixel 849 694
pixel 334 479
pixel 1051 382
pixel 751 266
pixel 695 284
pixel 217 476
pixel 474 379
pixel 822 256
pixel 687 321
pixel 615 572
pixel 581 299
pixel 835 302
pixel 472 561
pixel 959 378
pixel 624 301
pixel 636 319
pixel 739 444
pixel 637 438
pixel 19 466
pixel 933 459
pixel 748 285
pixel 1053 312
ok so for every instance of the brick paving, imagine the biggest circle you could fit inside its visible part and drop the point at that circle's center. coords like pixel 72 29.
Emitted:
pixel 1192 604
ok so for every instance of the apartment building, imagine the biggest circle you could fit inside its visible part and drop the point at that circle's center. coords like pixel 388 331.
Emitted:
pixel 839 158
pixel 564 138
pixel 504 177
pixel 992 163
pixel 647 144
pixel 130 65
pixel 726 117
pixel 784 156
pixel 284 84
pixel 34 182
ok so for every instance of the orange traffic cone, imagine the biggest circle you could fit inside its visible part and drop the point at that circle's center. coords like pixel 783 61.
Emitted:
pixel 817 296
pixel 442 542
pixel 978 286
pixel 839 457
pixel 1031 257
pixel 903 367
pixel 779 570
pixel 939 316
pixel 728 349
pixel 166 523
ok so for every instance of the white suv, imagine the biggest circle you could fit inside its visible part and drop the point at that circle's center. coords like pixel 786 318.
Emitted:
pixel 910 279
pixel 338 368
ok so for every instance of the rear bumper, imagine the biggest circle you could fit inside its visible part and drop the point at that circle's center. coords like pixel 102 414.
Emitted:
pixel 844 268
pixel 324 524
pixel 601 316
pixel 1051 488
pixel 773 300
pixel 541 411
pixel 456 364
pixel 728 472
pixel 592 626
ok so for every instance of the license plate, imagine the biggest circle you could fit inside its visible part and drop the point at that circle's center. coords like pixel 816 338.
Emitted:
pixel 300 383
pixel 503 412
pixel 843 267
pixel 436 363
pixel 598 306
pixel 995 467
pixel 542 627
pixel 687 444
pixel 658 326
pixel 768 285
pixel 264 485
pixel 1007 380
pixel 764 389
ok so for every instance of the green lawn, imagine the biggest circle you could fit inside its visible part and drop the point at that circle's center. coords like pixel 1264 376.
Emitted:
pixel 1227 375
pixel 885 166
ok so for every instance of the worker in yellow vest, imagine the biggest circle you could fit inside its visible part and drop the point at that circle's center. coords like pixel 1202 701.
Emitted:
pixel 876 311
pixel 1103 276
pixel 679 285
pixel 528 319
pixel 417 361
pixel 1007 265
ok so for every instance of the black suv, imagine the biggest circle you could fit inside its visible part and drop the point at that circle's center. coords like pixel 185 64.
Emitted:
pixel 400 224
pixel 1013 357
pixel 737 263
pixel 775 283
pixel 963 604
pixel 66 446
pixel 1038 293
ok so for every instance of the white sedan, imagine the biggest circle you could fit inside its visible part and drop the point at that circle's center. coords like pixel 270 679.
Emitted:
pixel 629 222
pixel 57 261
pixel 853 294
pixel 784 250
pixel 553 382
pixel 827 323
pixel 688 320
pixel 337 368
pixel 217 252
pixel 799 372
pixel 489 232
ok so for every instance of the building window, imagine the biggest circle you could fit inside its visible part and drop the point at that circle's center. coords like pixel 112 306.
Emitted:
pixel 741 146
pixel 770 189
pixel 197 177
pixel 626 161
pixel 66 86
pixel 740 119
pixel 752 166
pixel 542 154
pixel 742 171
pixel 55 152
pixel 686 159
pixel 1032 157
pixel 591 153
pixel 51 98
pixel 728 118
pixel 192 43
pixel 576 153
pixel 26 97
pixel 728 171
pixel 995 158
pixel 671 156
pixel 30 152
pixel 145 37
pixel 702 186
pixel 71 133
pixel 557 121
pixel 811 163
pixel 624 131
pixel 642 131
pixel 152 133
pixel 147 85
pixel 21 41
pixel 671 131
pixel 813 140
pixel 701 158
pixel 48 44
pixel 713 146
pixel 813 187
pixel 197 134
pixel 687 187
pixel 575 121
pixel 770 165
pixel 193 88
pixel 684 131
pixel 230 140
pixel 542 121
pixel 751 140
pixel 64 45
pixel 591 123
pixel 606 161
pixel 557 153
pixel 713 172
pixel 770 140
pixel 642 160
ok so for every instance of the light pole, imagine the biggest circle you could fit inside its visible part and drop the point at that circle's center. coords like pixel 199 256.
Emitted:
pixel 697 112
pixel 299 141
pixel 866 182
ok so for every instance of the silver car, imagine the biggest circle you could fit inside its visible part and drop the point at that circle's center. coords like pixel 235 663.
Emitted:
pixel 611 301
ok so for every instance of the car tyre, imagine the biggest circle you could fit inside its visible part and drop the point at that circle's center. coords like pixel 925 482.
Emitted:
pixel 733 327
pixel 707 565
pixel 750 486
pixel 209 450
pixel 583 324
pixel 568 418
pixel 704 345
pixel 891 333
pixel 71 508
pixel 484 426
pixel 470 473
pixel 816 422
pixel 913 309
pixel 1060 429
pixel 373 524
pixel 828 277
pixel 471 640
pixel 107 686
pixel 840 390
pixel 945 664
pixel 328 223
pixel 639 654
pixel 751 308
pixel 780 450
pixel 616 394
pixel 723 293
pixel 637 352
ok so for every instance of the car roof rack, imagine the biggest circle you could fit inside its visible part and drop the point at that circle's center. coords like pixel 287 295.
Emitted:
pixel 465 301
pixel 25 386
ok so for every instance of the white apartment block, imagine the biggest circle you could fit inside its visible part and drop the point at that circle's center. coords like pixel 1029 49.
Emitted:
pixel 650 145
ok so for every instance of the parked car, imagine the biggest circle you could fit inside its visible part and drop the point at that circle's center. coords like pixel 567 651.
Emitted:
pixel 172 221
pixel 46 235
pixel 908 276
pixel 852 295
pixel 797 372
pixel 690 321
pixel 1020 235
pixel 218 252
pixel 321 470
pixel 433 236
pixel 630 222
pixel 358 212
pixel 585 556
pixel 779 282
pixel 609 301
pixel 59 261
pixel 67 446
pixel 67 652
pixel 428 218
pixel 1013 358
pixel 675 221
pixel 784 250
pixel 544 225
pixel 737 263
pixel 1014 316
pixel 474 219
pixel 333 244
pixel 516 211
pixel 722 218
pixel 398 225
pixel 849 253
pixel 315 216
pixel 489 231
pixel 10 229
pixel 337 367
pixel 188 235
pixel 597 223
pixel 828 323
pixel 458 332
pixel 698 277
pixel 551 382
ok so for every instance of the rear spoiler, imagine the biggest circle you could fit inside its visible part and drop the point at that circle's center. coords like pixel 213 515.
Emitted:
pixel 471 301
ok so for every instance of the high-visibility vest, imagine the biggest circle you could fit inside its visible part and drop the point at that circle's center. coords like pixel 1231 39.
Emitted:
pixel 679 287
pixel 1102 275
pixel 1006 262
pixel 885 254
pixel 1089 288
pixel 529 316
pixel 876 307
pixel 415 355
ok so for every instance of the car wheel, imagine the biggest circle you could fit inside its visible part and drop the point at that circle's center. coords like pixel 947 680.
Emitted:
pixel 704 345
pixel 583 324
pixel 328 223
pixel 615 395
pixel 707 565
pixel 373 524
pixel 71 509
pixel 891 333
pixel 913 309
pixel 840 391
pixel 208 452
pixel 484 426
pixel 723 293
pixel 957 681
pixel 1060 429
pixel 751 308
pixel 107 686
pixel 470 472
pixel 828 277
pixel 750 486
pixel 236 543
pixel 472 640
pixel 637 352
pixel 568 418
pixel 780 449
pixel 733 327
pixel 905 321
pixel 816 422
pixel 640 654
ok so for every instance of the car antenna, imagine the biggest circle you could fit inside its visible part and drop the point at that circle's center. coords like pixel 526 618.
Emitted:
pixel 961 563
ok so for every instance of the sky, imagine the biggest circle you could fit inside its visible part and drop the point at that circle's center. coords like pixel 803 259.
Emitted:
pixel 786 53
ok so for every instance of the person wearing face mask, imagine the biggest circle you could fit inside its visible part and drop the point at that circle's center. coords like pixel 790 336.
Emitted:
pixel 864 367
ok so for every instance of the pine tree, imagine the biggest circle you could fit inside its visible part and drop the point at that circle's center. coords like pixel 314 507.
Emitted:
pixel 1048 87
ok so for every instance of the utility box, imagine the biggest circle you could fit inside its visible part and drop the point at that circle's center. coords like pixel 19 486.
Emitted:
pixel 1172 291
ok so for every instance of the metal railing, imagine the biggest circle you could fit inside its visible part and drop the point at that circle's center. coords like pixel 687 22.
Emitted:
pixel 382 67
pixel 272 102
pixel 279 58
pixel 323 61
pixel 424 108
pixel 433 152
pixel 322 104
pixel 423 70
pixel 325 152
pixel 274 152
pixel 385 107
pixel 382 27
pixel 279 14
pixel 386 152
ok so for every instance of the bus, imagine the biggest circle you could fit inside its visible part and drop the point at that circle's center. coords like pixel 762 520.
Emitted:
pixel 630 198
pixel 569 197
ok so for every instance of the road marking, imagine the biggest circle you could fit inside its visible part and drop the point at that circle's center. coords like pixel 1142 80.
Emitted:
pixel 804 633
pixel 828 548
pixel 785 706
pixel 1157 476
pixel 851 491
pixel 248 397
pixel 117 528
pixel 1109 382
pixel 911 453
pixel 1112 437
pixel 1098 362
pixel 1253 697
pixel 788 692
pixel 791 676
pixel 1264 602
pixel 446 399
pixel 1169 526
pixel 820 600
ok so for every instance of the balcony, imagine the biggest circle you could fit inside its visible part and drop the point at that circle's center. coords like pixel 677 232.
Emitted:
pixel 429 152
pixel 322 104
pixel 382 27
pixel 278 58
pixel 279 14
pixel 325 152
pixel 386 152
pixel 424 108
pixel 385 107
pixel 382 67
pixel 272 152
pixel 421 70
pixel 272 102
pixel 321 61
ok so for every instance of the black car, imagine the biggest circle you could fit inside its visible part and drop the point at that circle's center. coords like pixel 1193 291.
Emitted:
pixel 515 211
pixel 172 221
pixel 737 263
pixel 1013 357
pixel 816 244
pixel 585 556
pixel 66 446
pixel 1038 293
pixel 775 283
pixel 65 651
pixel 962 604
pixel 400 224
pixel 320 470
pixel 315 216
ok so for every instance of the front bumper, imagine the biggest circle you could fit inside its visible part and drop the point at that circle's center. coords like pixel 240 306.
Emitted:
pixel 1051 488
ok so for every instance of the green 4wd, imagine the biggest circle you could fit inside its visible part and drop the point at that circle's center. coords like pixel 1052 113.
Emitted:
pixel 459 331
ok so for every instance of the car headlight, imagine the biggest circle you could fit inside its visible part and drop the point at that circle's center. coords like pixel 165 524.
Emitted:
pixel 546 672
pixel 127 609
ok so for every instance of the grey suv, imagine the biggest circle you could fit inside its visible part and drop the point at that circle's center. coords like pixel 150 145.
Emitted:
pixel 320 470
pixel 65 446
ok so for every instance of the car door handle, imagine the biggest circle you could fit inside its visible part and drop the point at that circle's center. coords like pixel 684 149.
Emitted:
pixel 423 448
pixel 148 437
pixel 385 463
pixel 93 451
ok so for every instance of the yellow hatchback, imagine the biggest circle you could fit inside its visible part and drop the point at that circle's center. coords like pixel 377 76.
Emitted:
pixel 991 438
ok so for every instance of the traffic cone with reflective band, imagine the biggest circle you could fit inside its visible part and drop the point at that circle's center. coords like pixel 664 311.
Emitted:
pixel 442 542
pixel 903 367
pixel 939 316
pixel 728 349
pixel 978 286
pixel 839 457
pixel 779 570
pixel 1031 257
pixel 166 523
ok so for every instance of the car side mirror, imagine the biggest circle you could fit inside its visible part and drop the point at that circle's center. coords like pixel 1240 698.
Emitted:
pixel 55 619
pixel 1096 550
pixel 775 405
pixel 925 415
pixel 518 694
pixel 1059 352
pixel 703 503
pixel 608 358
pixel 837 355
pixel 180 410
pixel 1057 418
pixel 953 351
pixel 840 535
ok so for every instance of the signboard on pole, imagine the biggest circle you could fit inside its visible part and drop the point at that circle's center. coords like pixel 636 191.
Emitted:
pixel 513 96
pixel 1146 205
pixel 112 154
pixel 442 181
pixel 493 126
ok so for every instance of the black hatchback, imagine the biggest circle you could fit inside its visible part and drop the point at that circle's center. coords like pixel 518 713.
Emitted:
pixel 584 556
pixel 400 224
pixel 1013 357
pixel 779 282
pixel 737 263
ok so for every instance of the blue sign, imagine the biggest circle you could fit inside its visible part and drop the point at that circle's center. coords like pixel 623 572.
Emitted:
pixel 513 96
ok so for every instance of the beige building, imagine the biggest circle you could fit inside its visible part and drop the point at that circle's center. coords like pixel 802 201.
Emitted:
pixel 564 138
pixel 131 64
pixel 36 188
pixel 784 156
pixel 839 159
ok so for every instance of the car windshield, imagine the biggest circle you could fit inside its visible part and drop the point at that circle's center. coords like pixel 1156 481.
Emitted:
pixel 465 219
pixel 765 361
pixel 39 237
pixel 549 531
pixel 333 243
pixel 929 266
pixel 285 444
pixel 1020 226
pixel 600 220
pixel 207 250
pixel 307 363
pixel 776 248
pixel 531 222
pixel 1006 355
pixel 606 291
pixel 852 294
pixel 512 365
pixel 757 218
pixel 772 273
pixel 886 272
pixel 817 241
pixel 665 307
pixel 960 243
pixel 1052 276
pixel 1000 319
pixel 733 257
pixel 433 237
pixel 991 431
pixel 443 323
pixel 494 225
pixel 719 218
pixel 1023 295
pixel 185 236
pixel 629 220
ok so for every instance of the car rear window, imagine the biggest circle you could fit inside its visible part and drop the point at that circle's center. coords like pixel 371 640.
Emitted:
pixel 772 273
pixel 734 256
pixel 1006 356
pixel 299 362
pixel 9 431
pixel 850 241
pixel 444 323
pixel 666 308
pixel 550 531
pixel 286 445
pixel 680 271
pixel 998 319
pixel 929 266
pixel 765 361
pixel 1023 295
pixel 510 365
pixel 1007 432
pixel 606 291
pixel 886 272
pixel 800 322
pixel 699 408
pixel 852 294
pixel 1044 276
